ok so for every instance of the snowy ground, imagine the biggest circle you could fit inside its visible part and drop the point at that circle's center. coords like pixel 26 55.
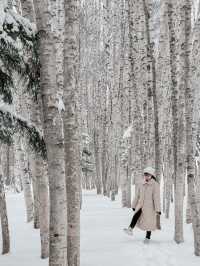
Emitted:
pixel 103 242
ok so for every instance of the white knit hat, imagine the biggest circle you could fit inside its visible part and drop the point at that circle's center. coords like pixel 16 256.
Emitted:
pixel 150 170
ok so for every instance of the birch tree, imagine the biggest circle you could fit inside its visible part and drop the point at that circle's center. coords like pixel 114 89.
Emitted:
pixel 189 103
pixel 21 164
pixel 37 165
pixel 71 130
pixel 54 138
pixel 164 95
pixel 177 126
pixel 152 83
pixel 3 213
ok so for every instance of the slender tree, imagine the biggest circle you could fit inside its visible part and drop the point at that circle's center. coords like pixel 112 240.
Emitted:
pixel 189 103
pixel 71 130
pixel 3 213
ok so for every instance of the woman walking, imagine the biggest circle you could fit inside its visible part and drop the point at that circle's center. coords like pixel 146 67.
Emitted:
pixel 146 205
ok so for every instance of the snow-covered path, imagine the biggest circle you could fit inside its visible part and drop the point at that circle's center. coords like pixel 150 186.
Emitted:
pixel 103 242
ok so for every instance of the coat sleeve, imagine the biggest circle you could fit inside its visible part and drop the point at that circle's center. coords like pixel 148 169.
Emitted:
pixel 135 200
pixel 156 197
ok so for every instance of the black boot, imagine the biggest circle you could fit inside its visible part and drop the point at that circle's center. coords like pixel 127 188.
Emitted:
pixel 148 237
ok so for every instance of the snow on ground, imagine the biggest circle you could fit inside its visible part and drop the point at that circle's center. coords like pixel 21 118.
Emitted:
pixel 103 242
pixel 25 241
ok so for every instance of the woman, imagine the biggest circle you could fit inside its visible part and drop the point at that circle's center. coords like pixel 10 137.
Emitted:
pixel 146 205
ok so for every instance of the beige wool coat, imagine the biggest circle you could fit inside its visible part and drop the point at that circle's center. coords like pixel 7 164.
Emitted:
pixel 147 198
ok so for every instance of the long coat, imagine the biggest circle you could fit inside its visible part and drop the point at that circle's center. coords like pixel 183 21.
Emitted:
pixel 147 198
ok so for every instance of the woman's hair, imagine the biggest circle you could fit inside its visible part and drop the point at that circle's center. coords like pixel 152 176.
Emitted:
pixel 154 178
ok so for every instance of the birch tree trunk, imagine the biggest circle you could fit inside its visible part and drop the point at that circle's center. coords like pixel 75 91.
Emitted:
pixel 3 213
pixel 164 93
pixel 97 160
pixel 134 14
pixel 71 130
pixel 37 165
pixel 198 183
pixel 177 127
pixel 124 168
pixel 106 87
pixel 39 172
pixel 26 186
pixel 189 103
pixel 43 191
pixel 35 185
pixel 21 174
pixel 152 90
pixel 122 97
pixel 53 134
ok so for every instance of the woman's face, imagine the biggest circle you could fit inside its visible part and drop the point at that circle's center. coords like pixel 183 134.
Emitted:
pixel 147 176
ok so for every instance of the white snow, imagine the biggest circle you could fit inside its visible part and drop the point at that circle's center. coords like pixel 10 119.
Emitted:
pixel 25 244
pixel 60 104
pixel 6 108
pixel 127 133
pixel 86 139
pixel 2 14
pixel 103 242
pixel 12 17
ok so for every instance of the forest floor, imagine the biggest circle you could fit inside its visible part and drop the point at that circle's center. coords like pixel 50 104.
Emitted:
pixel 103 242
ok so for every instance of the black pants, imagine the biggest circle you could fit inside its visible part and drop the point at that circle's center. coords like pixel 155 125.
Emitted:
pixel 134 221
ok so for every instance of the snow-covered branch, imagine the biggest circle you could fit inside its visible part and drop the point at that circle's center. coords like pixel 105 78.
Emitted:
pixel 11 123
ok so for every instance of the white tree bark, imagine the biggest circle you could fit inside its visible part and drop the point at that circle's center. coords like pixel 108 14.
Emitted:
pixel 3 213
pixel 177 113
pixel 35 186
pixel 71 130
pixel 22 175
pixel 37 165
pixel 43 191
pixel 189 103
pixel 53 134
pixel 152 81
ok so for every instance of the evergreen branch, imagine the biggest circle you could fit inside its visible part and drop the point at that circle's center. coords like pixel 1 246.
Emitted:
pixel 29 70
pixel 6 128
pixel 19 29
pixel 23 60
pixel 6 83
pixel 32 71
pixel 33 66
pixel 10 124
pixel 10 58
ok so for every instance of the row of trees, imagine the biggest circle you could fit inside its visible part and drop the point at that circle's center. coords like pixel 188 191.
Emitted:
pixel 112 86
pixel 139 74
